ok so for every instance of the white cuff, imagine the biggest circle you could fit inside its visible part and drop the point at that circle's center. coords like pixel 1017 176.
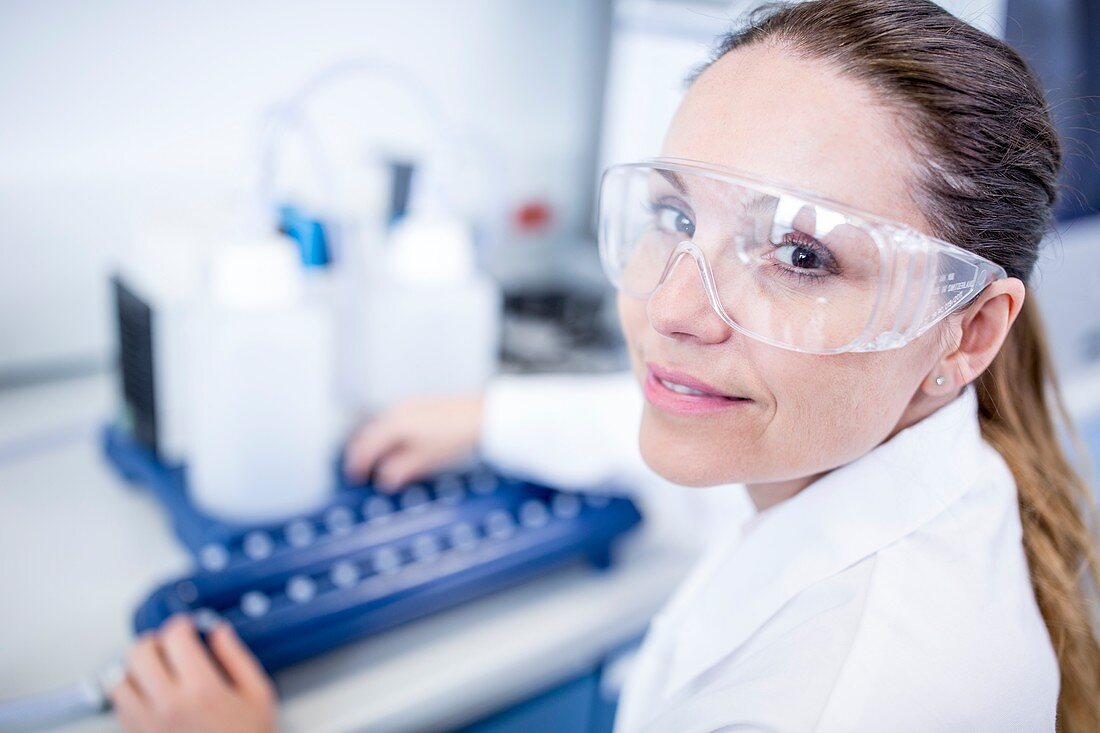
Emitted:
pixel 568 431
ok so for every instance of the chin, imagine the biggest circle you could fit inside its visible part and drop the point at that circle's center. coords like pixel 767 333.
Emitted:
pixel 684 464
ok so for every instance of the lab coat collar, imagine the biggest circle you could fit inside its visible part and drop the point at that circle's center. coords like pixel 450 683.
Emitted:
pixel 843 517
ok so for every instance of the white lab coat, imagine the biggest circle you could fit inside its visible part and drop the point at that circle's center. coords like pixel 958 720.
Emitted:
pixel 890 595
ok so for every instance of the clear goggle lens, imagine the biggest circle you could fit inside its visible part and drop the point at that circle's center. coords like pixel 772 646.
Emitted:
pixel 778 264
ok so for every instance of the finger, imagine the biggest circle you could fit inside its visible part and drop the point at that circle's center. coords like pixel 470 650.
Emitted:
pixel 402 467
pixel 149 669
pixel 132 710
pixel 186 654
pixel 372 442
pixel 238 661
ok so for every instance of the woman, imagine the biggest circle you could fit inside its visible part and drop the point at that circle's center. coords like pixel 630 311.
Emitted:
pixel 822 287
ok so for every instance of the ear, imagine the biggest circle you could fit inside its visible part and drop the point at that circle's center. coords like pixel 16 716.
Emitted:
pixel 984 326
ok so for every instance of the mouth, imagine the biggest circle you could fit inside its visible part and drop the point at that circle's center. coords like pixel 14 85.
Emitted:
pixel 681 393
pixel 685 390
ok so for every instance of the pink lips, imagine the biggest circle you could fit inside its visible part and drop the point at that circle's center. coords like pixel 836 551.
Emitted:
pixel 669 400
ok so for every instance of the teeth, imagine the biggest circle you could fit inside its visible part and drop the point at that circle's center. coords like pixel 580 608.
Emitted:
pixel 681 388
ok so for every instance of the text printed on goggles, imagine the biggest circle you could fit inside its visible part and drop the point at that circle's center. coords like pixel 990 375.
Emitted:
pixel 779 264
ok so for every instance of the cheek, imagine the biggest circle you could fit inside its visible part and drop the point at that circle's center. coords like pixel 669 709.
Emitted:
pixel 831 410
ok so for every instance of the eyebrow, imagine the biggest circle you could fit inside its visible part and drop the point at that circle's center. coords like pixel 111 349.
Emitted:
pixel 760 203
pixel 673 178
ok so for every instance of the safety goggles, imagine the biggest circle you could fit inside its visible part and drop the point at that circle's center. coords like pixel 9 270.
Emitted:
pixel 782 265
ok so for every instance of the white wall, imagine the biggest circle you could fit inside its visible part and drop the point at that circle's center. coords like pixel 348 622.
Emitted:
pixel 657 43
pixel 115 114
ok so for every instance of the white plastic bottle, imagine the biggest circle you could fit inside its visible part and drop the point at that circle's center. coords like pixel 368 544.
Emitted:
pixel 264 415
pixel 431 322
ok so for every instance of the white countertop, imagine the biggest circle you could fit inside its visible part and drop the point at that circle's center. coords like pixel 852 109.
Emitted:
pixel 80 549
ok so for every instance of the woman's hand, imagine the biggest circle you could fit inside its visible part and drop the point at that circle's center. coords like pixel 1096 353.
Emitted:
pixel 415 438
pixel 173 684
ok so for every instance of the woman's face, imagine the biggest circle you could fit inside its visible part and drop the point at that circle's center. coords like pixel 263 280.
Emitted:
pixel 765 111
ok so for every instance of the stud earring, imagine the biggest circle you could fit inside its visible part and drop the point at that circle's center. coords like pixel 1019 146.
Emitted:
pixel 940 381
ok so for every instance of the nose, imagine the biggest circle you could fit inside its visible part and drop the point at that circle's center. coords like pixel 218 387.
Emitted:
pixel 681 308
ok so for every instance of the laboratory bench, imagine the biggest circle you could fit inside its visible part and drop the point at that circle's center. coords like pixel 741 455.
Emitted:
pixel 80 548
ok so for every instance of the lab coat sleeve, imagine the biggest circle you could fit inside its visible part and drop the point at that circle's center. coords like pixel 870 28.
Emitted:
pixel 567 431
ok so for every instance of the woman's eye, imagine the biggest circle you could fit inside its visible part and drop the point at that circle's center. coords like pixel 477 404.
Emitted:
pixel 798 256
pixel 671 219
pixel 804 254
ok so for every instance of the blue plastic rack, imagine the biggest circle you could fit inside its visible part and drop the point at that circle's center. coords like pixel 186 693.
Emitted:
pixel 367 561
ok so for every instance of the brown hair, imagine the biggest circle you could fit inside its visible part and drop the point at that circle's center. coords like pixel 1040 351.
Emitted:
pixel 986 159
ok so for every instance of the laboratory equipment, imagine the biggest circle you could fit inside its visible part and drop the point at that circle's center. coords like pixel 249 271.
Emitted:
pixel 367 561
pixel 368 284
pixel 408 258
pixel 262 368
pixel 427 299
pixel 154 293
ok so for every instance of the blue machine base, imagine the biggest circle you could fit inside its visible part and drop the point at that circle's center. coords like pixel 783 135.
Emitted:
pixel 367 561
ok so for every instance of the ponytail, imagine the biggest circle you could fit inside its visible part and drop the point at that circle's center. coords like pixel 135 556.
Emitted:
pixel 1015 400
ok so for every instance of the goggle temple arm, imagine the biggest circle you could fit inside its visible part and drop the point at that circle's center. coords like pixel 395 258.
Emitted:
pixel 959 277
